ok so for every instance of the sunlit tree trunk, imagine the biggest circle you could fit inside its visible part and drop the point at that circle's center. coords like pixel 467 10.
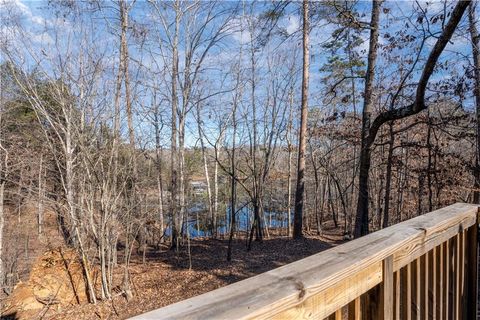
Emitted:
pixel 173 147
pixel 300 190
pixel 289 168
pixel 207 175
pixel 131 196
pixel 215 182
pixel 215 195
pixel 233 181
pixel 158 162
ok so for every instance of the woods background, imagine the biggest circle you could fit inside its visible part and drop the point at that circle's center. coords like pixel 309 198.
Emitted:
pixel 129 127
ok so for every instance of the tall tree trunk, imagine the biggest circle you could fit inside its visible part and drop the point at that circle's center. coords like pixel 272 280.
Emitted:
pixel 233 185
pixel 316 189
pixel 475 39
pixel 116 136
pixel 131 134
pixel 215 187
pixel 315 204
pixel 158 162
pixel 354 156
pixel 256 182
pixel 361 221
pixel 181 174
pixel 69 190
pixel 343 201
pixel 421 183
pixel 126 76
pixel 332 204
pixel 388 178
pixel 300 191
pixel 3 180
pixel 41 195
pixel 215 193
pixel 173 148
pixel 429 165
pixel 289 177
pixel 207 175
pixel 379 203
pixel 2 221
pixel 401 181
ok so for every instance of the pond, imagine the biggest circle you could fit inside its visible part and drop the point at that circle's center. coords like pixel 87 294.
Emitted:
pixel 244 218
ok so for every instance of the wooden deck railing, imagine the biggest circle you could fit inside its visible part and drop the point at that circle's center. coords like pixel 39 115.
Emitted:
pixel 423 268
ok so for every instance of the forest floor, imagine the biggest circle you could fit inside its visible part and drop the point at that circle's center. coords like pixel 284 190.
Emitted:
pixel 165 277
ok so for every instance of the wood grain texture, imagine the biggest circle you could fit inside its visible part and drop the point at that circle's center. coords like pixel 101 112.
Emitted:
pixel 338 314
pixel 424 286
pixel 387 289
pixel 354 312
pixel 472 273
pixel 441 282
pixel 432 280
pixel 311 286
pixel 457 275
pixel 448 280
pixel 416 286
pixel 406 292
pixel 462 269
pixel 336 296
pixel 397 294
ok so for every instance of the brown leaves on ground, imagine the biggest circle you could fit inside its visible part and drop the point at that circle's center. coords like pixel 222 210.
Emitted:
pixel 166 278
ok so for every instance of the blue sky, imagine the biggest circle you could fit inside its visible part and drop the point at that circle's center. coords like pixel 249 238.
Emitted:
pixel 39 22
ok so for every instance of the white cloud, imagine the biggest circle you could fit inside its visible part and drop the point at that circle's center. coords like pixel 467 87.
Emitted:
pixel 42 38
pixel 242 36
pixel 37 20
pixel 8 4
pixel 293 24
pixel 239 25
pixel 16 8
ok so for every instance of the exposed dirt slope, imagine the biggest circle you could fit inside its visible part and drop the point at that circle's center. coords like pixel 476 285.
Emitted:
pixel 55 282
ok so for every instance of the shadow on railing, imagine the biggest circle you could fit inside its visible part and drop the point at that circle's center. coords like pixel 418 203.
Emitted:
pixel 422 268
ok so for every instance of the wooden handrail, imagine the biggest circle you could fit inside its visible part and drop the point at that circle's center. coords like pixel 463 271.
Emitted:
pixel 390 274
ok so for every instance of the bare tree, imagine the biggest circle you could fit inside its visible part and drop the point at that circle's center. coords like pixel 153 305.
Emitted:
pixel 300 189
pixel 370 128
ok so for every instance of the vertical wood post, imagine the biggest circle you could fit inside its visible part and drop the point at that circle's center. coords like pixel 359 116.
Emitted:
pixel 406 289
pixel 431 283
pixel 387 289
pixel 416 285
pixel 446 282
pixel 462 274
pixel 472 272
pixel 397 295
pixel 440 282
pixel 354 310
pixel 457 267
pixel 423 283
